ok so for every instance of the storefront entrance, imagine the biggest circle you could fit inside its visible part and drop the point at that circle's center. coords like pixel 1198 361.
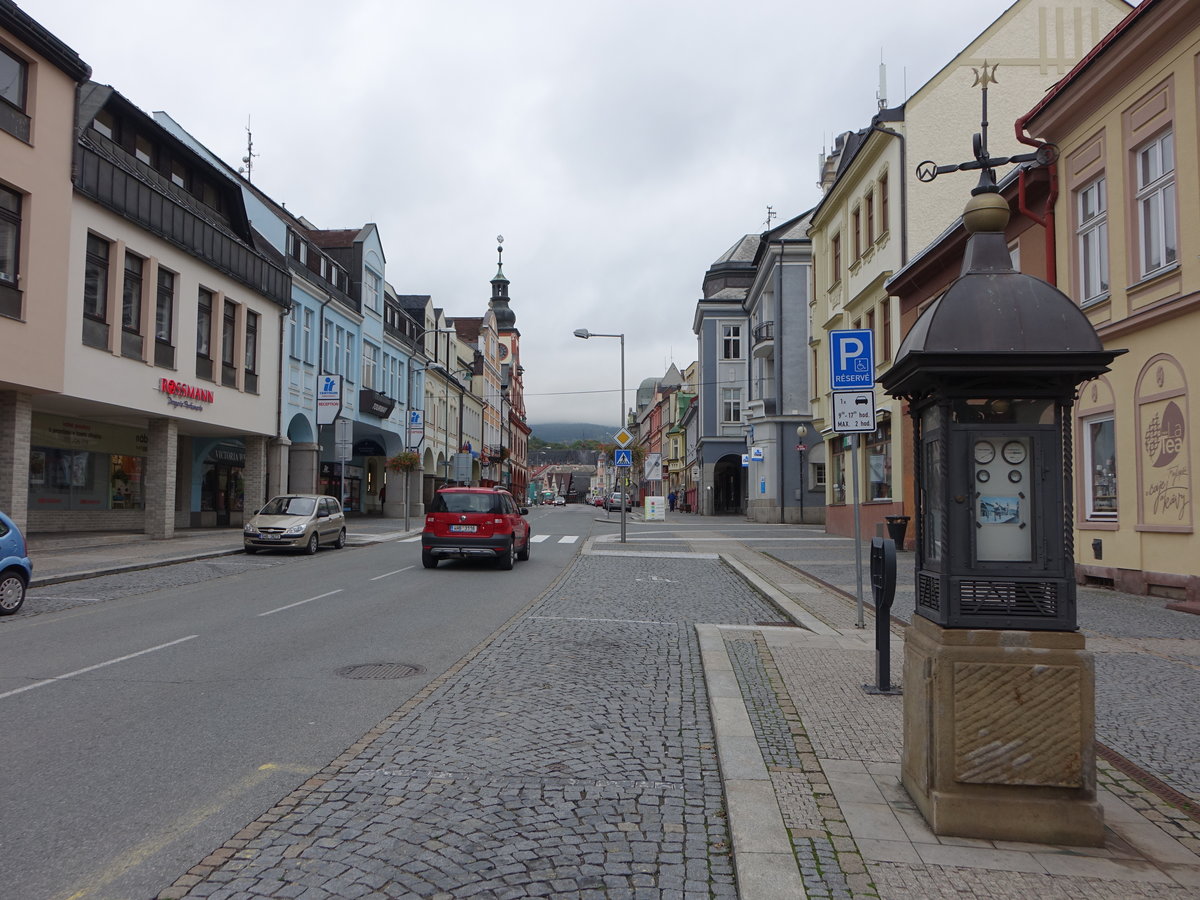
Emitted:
pixel 351 493
pixel 727 485
pixel 222 485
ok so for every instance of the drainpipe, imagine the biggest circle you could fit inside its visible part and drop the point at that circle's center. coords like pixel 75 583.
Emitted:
pixel 1046 219
pixel 777 314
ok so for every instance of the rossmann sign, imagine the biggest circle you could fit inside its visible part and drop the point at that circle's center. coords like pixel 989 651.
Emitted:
pixel 180 393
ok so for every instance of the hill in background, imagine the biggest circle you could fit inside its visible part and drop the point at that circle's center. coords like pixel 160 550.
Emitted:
pixel 569 432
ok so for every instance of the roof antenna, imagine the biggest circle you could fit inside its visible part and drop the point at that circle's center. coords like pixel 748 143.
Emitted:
pixel 881 94
pixel 771 214
pixel 248 159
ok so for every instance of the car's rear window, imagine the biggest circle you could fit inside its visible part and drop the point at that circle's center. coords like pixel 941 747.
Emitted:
pixel 290 506
pixel 468 503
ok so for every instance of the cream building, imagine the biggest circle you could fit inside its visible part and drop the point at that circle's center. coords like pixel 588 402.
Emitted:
pixel 1128 250
pixel 875 214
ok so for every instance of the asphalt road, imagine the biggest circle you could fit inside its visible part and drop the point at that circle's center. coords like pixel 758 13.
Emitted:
pixel 142 731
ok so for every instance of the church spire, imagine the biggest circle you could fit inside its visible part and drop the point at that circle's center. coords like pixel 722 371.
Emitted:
pixel 506 319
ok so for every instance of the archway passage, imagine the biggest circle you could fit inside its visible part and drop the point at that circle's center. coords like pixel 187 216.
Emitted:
pixel 727 485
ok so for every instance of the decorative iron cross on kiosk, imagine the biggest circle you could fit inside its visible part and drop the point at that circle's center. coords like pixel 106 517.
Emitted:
pixel 1045 155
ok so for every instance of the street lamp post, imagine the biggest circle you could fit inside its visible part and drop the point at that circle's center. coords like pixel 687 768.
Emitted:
pixel 801 431
pixel 585 334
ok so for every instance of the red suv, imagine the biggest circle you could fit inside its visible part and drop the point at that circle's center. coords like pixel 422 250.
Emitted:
pixel 475 523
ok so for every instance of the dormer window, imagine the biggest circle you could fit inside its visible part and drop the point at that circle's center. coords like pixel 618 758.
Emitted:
pixel 179 174
pixel 143 150
pixel 106 124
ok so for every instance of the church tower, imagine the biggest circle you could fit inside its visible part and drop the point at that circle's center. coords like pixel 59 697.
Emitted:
pixel 512 372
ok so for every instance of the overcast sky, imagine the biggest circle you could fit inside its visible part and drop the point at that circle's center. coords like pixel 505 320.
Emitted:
pixel 620 146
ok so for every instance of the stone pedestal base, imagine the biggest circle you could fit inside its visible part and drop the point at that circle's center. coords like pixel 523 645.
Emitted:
pixel 999 730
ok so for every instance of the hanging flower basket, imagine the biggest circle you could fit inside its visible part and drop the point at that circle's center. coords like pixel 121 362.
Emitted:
pixel 404 461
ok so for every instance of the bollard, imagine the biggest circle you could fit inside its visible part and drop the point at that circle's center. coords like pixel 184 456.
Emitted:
pixel 883 586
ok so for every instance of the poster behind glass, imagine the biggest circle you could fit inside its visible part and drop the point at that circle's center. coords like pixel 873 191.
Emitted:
pixel 1003 498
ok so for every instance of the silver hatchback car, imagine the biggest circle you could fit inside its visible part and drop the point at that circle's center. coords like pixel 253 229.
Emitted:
pixel 296 521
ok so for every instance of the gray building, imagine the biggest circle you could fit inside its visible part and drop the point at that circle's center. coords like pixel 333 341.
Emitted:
pixel 722 354
pixel 784 482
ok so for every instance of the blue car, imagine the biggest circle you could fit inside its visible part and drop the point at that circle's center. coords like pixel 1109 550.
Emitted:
pixel 15 567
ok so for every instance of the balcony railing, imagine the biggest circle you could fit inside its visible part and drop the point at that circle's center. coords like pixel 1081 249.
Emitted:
pixel 764 339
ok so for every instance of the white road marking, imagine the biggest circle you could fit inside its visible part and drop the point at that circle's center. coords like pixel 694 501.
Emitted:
pixel 299 603
pixel 397 572
pixel 411 540
pixel 38 684
pixel 538 538
pixel 568 539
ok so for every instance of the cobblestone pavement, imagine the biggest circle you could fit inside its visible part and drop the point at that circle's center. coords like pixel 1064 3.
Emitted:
pixel 572 756
pixel 1147 665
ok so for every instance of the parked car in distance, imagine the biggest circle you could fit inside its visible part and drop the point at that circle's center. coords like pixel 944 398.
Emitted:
pixel 598 500
pixel 614 501
pixel 475 523
pixel 560 500
pixel 15 566
pixel 296 521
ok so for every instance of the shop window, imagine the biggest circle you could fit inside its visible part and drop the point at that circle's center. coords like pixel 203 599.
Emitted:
pixel 125 482
pixel 879 463
pixel 61 479
pixel 837 459
pixel 1100 468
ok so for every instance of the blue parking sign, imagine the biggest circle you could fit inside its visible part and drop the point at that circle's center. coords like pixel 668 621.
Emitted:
pixel 623 459
pixel 851 359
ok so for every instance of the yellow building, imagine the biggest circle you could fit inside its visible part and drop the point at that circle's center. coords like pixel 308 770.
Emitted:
pixel 876 215
pixel 1127 242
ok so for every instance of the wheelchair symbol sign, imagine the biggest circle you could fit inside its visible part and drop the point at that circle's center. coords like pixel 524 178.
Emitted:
pixel 852 359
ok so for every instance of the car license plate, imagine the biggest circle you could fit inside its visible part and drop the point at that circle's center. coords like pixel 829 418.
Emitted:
pixel 269 537
pixel 463 528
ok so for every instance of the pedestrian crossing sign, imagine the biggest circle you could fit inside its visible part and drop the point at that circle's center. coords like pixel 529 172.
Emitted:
pixel 623 459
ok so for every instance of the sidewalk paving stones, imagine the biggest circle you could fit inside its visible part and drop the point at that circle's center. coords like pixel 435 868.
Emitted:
pixel 639 732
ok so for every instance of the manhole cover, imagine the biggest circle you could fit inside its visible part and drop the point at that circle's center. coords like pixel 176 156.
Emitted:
pixel 380 670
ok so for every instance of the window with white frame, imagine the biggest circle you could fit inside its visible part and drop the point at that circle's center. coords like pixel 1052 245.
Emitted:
pixel 348 355
pixel 731 405
pixel 1100 467
pixel 306 337
pixel 371 289
pixel 370 366
pixel 1091 239
pixel 1156 203
pixel 731 342
pixel 294 327
pixel 328 360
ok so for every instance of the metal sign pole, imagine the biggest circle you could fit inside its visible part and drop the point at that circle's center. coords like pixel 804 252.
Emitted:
pixel 858 569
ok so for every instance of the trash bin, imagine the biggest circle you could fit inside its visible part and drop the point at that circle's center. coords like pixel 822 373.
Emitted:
pixel 896 526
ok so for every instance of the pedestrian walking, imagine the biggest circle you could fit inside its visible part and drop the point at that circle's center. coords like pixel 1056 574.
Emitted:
pixel 671 498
